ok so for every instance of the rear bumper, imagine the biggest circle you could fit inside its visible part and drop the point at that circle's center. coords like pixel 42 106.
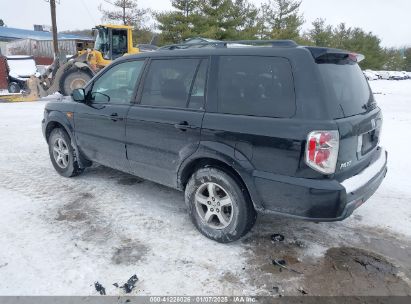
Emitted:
pixel 320 200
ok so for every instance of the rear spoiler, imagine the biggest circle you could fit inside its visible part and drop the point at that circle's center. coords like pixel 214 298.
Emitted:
pixel 336 56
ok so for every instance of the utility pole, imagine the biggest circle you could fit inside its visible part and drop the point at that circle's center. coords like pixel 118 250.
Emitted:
pixel 124 12
pixel 54 27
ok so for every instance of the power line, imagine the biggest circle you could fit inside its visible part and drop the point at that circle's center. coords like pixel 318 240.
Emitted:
pixel 109 2
pixel 88 12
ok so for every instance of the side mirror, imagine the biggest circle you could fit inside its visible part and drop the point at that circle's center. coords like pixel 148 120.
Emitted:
pixel 79 95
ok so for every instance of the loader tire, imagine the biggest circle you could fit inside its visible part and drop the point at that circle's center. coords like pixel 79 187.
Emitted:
pixel 73 79
pixel 14 87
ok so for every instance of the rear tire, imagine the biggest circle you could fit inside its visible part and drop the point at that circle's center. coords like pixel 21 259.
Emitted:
pixel 14 87
pixel 62 154
pixel 73 79
pixel 219 205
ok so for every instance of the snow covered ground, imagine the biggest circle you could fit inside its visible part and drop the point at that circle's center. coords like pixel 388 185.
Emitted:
pixel 58 236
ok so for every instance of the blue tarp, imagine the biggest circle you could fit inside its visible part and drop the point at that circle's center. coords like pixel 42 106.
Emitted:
pixel 9 33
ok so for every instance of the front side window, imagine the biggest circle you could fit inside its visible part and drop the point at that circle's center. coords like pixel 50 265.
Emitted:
pixel 169 82
pixel 256 86
pixel 117 84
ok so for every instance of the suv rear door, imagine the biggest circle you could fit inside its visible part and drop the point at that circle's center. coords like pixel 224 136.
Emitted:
pixel 163 128
pixel 353 107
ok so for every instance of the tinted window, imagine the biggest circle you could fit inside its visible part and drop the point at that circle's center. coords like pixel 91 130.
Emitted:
pixel 198 91
pixel 257 86
pixel 347 87
pixel 117 84
pixel 168 82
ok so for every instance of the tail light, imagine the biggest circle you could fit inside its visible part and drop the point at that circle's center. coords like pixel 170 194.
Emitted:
pixel 322 151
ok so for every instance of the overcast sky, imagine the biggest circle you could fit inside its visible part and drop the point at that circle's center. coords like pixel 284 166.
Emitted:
pixel 388 19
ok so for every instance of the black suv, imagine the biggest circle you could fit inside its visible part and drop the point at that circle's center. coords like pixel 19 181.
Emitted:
pixel 267 126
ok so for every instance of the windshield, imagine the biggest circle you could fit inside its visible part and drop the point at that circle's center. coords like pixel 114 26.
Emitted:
pixel 347 88
pixel 102 42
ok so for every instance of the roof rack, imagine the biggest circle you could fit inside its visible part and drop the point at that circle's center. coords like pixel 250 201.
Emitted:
pixel 235 43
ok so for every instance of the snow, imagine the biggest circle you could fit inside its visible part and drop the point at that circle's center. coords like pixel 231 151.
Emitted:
pixel 58 236
pixel 21 66
pixel 390 208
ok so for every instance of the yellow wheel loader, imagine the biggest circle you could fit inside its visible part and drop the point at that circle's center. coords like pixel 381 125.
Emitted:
pixel 112 41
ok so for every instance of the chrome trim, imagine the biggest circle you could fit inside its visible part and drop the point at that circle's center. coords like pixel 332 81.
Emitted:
pixel 361 179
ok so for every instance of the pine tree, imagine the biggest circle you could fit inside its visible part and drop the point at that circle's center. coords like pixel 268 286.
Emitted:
pixel 2 22
pixel 215 19
pixel 407 60
pixel 280 19
pixel 321 34
pixel 394 60
pixel 178 25
pixel 127 12
pixel 227 19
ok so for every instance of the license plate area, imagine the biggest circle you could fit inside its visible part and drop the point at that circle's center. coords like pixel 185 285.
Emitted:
pixel 368 142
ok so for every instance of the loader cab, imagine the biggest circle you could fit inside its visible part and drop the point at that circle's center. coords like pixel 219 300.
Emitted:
pixel 114 41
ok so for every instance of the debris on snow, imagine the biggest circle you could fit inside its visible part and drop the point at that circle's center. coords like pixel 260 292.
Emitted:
pixel 100 288
pixel 283 265
pixel 276 237
pixel 129 286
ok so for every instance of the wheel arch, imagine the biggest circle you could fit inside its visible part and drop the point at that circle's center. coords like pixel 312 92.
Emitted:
pixel 225 164
pixel 57 120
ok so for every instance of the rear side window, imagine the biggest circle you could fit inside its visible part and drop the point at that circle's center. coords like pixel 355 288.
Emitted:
pixel 169 83
pixel 347 87
pixel 256 86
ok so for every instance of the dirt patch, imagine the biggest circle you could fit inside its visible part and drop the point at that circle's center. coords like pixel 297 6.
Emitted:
pixel 76 210
pixel 353 271
pixel 129 252
pixel 129 181
pixel 335 261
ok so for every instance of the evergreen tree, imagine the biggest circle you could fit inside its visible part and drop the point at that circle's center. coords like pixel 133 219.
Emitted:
pixel 321 34
pixel 407 63
pixel 227 19
pixel 178 25
pixel 357 40
pixel 280 19
pixel 127 12
pixel 394 60
pixel 2 22
pixel 215 19
pixel 350 39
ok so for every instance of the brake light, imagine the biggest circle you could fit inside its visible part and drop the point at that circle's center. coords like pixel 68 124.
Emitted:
pixel 322 151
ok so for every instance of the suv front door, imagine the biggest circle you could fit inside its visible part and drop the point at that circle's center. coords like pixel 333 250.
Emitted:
pixel 100 122
pixel 164 127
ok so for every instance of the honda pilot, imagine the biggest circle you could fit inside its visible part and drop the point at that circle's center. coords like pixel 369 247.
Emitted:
pixel 241 127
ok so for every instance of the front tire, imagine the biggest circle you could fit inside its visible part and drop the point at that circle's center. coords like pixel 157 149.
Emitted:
pixel 219 205
pixel 62 154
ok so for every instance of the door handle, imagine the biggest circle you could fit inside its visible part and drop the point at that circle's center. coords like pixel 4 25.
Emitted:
pixel 183 126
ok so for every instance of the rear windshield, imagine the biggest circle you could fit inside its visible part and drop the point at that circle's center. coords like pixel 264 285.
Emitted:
pixel 347 87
